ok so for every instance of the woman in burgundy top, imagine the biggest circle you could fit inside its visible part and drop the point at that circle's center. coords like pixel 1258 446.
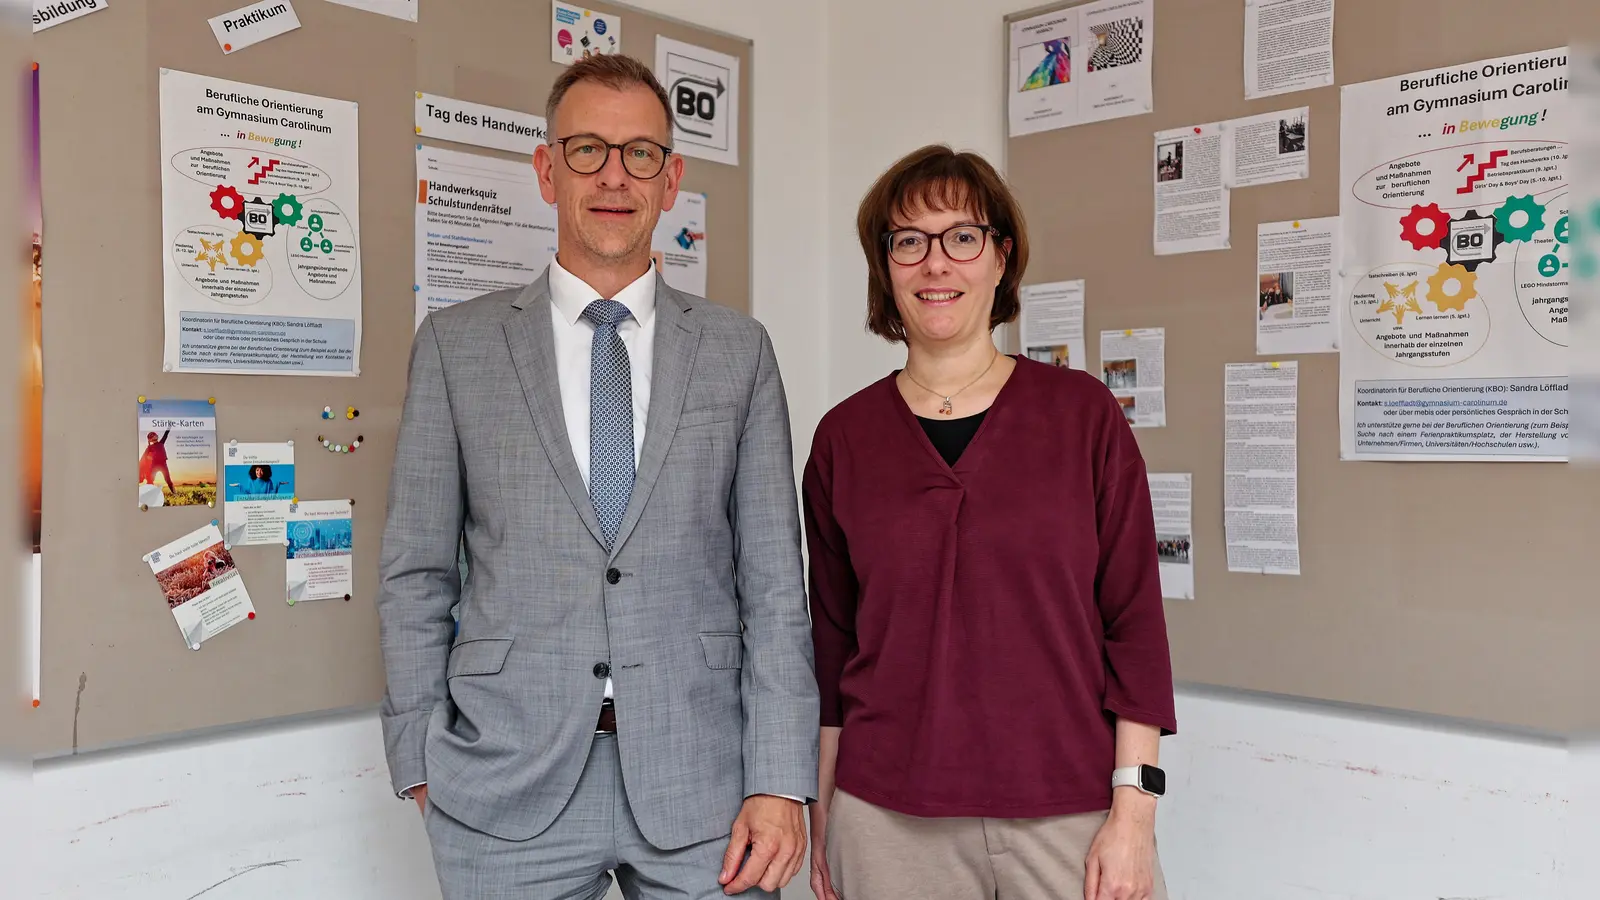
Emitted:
pixel 990 642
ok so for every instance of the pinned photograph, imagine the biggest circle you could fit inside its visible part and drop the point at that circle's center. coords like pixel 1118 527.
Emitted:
pixel 1169 161
pixel 1121 374
pixel 1059 355
pixel 1292 134
pixel 319 560
pixel 258 485
pixel 1277 296
pixel 177 441
pixel 202 585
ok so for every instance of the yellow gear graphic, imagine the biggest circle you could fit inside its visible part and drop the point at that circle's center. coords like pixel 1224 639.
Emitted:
pixel 246 249
pixel 1458 300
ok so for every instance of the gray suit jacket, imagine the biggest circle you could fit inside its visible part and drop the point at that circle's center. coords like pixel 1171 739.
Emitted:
pixel 699 614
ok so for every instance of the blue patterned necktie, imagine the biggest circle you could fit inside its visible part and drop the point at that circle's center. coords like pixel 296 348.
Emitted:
pixel 610 418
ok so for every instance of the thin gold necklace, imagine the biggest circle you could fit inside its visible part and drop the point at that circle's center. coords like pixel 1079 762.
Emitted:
pixel 946 409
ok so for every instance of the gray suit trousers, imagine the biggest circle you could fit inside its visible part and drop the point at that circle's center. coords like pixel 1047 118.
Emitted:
pixel 595 834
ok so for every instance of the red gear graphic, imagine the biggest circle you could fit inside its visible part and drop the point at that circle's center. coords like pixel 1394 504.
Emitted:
pixel 226 192
pixel 1432 240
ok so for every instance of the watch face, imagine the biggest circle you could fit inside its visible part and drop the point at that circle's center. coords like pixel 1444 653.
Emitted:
pixel 1153 780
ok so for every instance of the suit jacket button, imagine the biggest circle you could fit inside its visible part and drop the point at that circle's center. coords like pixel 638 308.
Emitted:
pixel 613 576
pixel 602 670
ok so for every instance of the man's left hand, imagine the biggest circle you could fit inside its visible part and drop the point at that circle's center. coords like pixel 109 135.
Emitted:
pixel 774 830
pixel 1121 862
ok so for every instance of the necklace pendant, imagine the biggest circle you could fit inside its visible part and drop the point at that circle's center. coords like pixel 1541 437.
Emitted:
pixel 947 409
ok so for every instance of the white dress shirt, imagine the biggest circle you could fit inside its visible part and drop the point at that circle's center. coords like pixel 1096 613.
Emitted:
pixel 574 336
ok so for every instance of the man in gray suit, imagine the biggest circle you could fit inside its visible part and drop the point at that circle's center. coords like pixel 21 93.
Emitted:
pixel 631 689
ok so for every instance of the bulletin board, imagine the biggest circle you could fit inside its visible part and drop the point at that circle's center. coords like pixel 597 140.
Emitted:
pixel 1440 588
pixel 114 668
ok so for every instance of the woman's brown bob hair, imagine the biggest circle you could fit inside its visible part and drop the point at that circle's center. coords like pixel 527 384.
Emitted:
pixel 938 178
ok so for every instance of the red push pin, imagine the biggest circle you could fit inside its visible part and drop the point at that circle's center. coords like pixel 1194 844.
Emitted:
pixel 251 616
pixel 1197 129
pixel 36 703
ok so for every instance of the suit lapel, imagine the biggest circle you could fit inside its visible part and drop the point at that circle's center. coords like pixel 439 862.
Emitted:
pixel 532 343
pixel 677 338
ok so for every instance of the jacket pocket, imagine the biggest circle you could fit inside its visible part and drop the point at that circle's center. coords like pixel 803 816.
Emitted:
pixel 723 651
pixel 478 656
pixel 708 415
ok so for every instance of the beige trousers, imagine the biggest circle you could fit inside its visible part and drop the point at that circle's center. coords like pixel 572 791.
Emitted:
pixel 876 854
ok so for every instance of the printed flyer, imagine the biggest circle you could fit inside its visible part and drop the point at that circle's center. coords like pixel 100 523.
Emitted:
pixel 202 585
pixel 177 453
pixel 259 481
pixel 319 564
pixel 679 244
pixel 1456 257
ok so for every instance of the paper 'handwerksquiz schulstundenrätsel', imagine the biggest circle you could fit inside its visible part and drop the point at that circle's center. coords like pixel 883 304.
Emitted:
pixel 1297 286
pixel 1171 498
pixel 1052 324
pixel 1260 471
pixel 480 226
pixel 1269 148
pixel 318 560
pixel 1133 365
pixel 1288 46
pixel 1191 168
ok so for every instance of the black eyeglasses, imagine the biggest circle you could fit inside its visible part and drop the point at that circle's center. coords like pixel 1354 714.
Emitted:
pixel 586 154
pixel 961 243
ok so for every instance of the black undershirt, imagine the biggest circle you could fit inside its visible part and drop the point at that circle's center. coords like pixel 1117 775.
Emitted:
pixel 951 436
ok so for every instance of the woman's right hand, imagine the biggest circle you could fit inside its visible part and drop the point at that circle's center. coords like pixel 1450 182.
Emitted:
pixel 821 879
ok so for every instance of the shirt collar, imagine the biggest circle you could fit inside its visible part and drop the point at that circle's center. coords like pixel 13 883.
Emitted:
pixel 572 295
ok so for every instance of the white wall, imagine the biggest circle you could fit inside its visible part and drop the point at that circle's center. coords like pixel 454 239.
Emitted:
pixel 1270 800
pixel 899 76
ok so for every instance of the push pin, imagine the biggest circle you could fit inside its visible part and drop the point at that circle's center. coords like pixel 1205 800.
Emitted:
pixel 327 412
pixel 141 398
pixel 291 601
pixel 250 616
pixel 195 646
pixel 352 413
pixel 347 598
pixel 144 507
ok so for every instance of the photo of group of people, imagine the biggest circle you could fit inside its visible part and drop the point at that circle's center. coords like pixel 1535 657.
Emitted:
pixel 1172 548
pixel 1276 296
pixel 1058 355
pixel 1292 135
pixel 1121 374
pixel 1169 161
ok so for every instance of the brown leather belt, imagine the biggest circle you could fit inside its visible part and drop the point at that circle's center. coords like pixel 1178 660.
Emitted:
pixel 608 718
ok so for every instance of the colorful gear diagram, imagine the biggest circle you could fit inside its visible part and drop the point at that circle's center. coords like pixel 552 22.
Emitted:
pixel 1434 239
pixel 1526 231
pixel 1495 239
pixel 246 249
pixel 1468 289
pixel 227 202
pixel 287 209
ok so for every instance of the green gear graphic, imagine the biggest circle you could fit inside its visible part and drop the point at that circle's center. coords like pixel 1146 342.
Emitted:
pixel 1525 232
pixel 287 209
